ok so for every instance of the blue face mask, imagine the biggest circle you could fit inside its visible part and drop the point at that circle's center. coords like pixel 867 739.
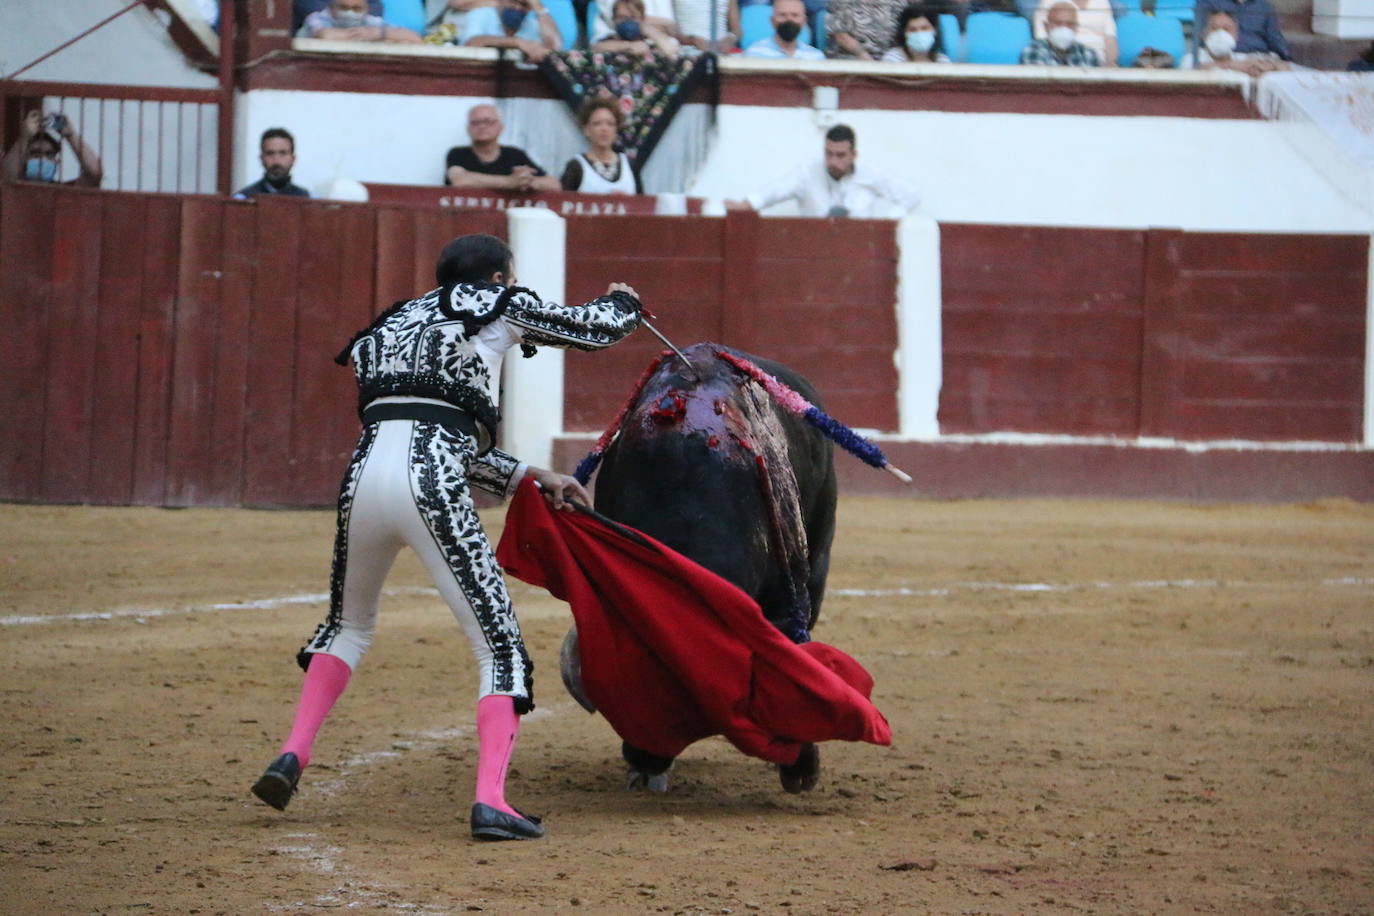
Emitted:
pixel 920 42
pixel 40 169
pixel 512 18
pixel 629 30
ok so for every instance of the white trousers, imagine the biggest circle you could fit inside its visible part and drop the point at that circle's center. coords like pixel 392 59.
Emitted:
pixel 407 486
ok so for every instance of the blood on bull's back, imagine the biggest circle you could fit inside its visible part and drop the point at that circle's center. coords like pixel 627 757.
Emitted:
pixel 709 465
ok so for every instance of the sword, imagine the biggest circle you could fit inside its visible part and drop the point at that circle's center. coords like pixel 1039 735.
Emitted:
pixel 690 368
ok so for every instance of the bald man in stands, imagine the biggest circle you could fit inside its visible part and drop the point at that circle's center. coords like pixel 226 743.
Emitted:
pixel 487 164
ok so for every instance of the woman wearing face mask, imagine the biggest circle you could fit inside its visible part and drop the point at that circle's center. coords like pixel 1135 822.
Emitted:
pixel 37 154
pixel 601 170
pixel 918 41
pixel 634 32
pixel 349 20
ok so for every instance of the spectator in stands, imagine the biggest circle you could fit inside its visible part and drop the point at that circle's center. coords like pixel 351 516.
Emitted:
pixel 277 153
pixel 448 27
pixel 918 39
pixel 862 29
pixel 788 18
pixel 302 8
pixel 1095 28
pixel 601 170
pixel 349 20
pixel 1364 62
pixel 837 186
pixel 1257 25
pixel 1218 50
pixel 524 25
pixel 693 19
pixel 632 32
pixel 488 164
pixel 37 154
pixel 1061 47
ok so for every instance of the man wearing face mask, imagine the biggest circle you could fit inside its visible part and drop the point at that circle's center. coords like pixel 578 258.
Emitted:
pixel 1256 26
pixel 1060 46
pixel 838 186
pixel 1218 50
pixel 349 20
pixel 37 154
pixel 277 153
pixel 524 25
pixel 788 18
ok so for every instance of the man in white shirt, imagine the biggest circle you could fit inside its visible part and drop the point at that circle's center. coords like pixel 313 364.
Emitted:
pixel 788 18
pixel 838 186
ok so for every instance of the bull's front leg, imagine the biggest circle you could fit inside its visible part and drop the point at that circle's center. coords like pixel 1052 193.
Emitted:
pixel 646 770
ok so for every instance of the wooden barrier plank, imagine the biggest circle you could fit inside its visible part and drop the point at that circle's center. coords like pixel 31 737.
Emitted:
pixel 1050 334
pixel 969 413
pixel 858 285
pixel 267 472
pixel 190 447
pixel 1277 381
pixel 27 232
pixel 1283 338
pixel 1162 343
pixel 160 254
pixel 333 302
pixel 232 346
pixel 395 272
pixel 1300 297
pixel 1247 253
pixel 115 396
pixel 740 283
pixel 1030 263
pixel 1268 422
pixel 71 346
pixel 842 241
pixel 648 237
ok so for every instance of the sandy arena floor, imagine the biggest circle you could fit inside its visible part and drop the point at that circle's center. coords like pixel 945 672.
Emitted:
pixel 1120 708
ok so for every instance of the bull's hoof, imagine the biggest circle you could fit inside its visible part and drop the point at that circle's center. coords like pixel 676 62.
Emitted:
pixel 638 780
pixel 803 775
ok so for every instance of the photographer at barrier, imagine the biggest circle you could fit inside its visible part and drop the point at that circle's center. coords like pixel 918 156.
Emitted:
pixel 37 154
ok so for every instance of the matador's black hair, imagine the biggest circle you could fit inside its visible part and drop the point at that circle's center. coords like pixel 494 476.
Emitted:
pixel 472 259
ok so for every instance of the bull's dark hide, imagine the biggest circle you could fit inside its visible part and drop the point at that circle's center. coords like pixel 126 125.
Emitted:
pixel 711 467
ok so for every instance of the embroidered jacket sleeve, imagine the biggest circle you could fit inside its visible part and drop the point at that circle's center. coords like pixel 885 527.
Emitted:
pixel 593 326
pixel 497 472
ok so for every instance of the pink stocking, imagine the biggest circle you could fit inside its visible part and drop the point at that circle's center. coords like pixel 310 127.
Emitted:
pixel 325 679
pixel 497 726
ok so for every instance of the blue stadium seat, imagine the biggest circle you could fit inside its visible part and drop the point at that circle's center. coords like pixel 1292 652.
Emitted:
pixel 407 14
pixel 818 18
pixel 1135 32
pixel 565 17
pixel 996 38
pixel 951 38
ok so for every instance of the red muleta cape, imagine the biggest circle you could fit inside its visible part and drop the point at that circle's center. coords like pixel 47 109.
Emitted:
pixel 672 653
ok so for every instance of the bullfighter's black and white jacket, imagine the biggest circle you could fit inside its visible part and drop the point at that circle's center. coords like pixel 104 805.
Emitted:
pixel 448 346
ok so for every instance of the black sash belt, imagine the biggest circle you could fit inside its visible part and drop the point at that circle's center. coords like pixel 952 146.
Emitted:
pixel 451 417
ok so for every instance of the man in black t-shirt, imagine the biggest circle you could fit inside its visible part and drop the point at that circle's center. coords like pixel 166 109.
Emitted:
pixel 277 152
pixel 488 164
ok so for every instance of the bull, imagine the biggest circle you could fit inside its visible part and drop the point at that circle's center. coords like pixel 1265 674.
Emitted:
pixel 707 463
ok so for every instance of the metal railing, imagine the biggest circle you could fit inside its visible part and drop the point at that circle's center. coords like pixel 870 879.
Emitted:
pixel 147 138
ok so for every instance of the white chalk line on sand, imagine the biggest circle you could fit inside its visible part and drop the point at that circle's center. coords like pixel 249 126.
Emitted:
pixel 1144 585
pixel 322 857
pixel 262 604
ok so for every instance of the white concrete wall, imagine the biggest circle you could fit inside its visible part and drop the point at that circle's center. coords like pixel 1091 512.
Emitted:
pixel 133 50
pixel 1203 174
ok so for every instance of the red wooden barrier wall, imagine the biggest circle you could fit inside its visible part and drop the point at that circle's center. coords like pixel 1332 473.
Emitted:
pixel 164 350
pixel 818 295
pixel 1158 333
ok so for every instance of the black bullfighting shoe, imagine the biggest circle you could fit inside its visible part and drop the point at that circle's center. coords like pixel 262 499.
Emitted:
pixel 490 823
pixel 278 783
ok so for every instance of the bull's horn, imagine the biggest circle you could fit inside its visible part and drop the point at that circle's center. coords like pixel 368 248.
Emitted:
pixel 570 666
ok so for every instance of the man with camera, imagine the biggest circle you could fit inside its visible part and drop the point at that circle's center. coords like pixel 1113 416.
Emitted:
pixel 37 154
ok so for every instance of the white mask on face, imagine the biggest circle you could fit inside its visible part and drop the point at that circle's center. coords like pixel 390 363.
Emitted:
pixel 920 42
pixel 1220 43
pixel 1061 37
pixel 349 19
